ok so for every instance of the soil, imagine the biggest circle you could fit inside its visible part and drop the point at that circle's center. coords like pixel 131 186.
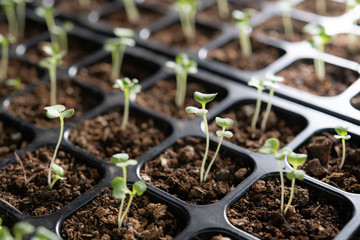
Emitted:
pixel 99 74
pixel 30 106
pixel 28 74
pixel 324 157
pixel 78 48
pixel 339 46
pixel 281 126
pixel 163 3
pixel 73 7
pixel 161 98
pixel 177 170
pixel 313 214
pixel 355 101
pixel 301 75
pixel 209 237
pixel 98 220
pixel 119 19
pixel 230 53
pixel 334 8
pixel 27 190
pixel 274 28
pixel 103 136
pixel 202 36
pixel 11 139
pixel 32 28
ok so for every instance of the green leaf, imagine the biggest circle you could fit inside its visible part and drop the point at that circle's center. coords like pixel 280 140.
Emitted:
pixel 300 174
pixel 68 113
pixel 270 146
pixel 43 233
pixel 341 130
pixel 119 188
pixel 296 159
pixel 123 32
pixel 21 229
pixel 204 98
pixel 139 188
pixel 5 234
pixel 67 26
pixel 224 122
pixel 130 162
pixel 199 112
pixel 256 82
pixel 59 171
pixel 283 154
pixel 226 134
pixel 291 175
pixel 58 111
pixel 51 113
pixel 119 158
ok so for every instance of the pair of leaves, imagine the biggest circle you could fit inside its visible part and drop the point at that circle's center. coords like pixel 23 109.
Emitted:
pixel 318 33
pixel 120 189
pixel 182 64
pixel 342 133
pixel 122 160
pixel 123 38
pixel 203 99
pixel 56 111
pixel 224 123
pixel 126 83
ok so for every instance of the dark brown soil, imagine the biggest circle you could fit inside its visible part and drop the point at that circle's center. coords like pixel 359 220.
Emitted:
pixel 161 98
pixel 35 198
pixel 166 36
pixel 340 46
pixel 98 220
pixel 281 126
pixel 274 28
pixel 30 106
pixel 119 18
pixel 313 215
pixel 73 7
pixel 209 237
pixel 78 49
pixel 27 73
pixel 177 172
pixel 334 8
pixel 103 136
pixel 11 140
pixel 32 28
pixel 230 53
pixel 301 75
pixel 324 157
pixel 355 101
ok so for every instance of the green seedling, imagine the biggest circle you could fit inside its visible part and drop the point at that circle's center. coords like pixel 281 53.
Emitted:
pixel 242 22
pixel 57 111
pixel 61 34
pixel 9 9
pixel 258 83
pixel 21 17
pixel 182 66
pixel 47 12
pixel 187 12
pixel 321 6
pixel 131 10
pixel 15 83
pixel 296 160
pixel 318 40
pixel 272 83
pixel 117 48
pixel 51 63
pixel 85 4
pixel 223 8
pixel 286 8
pixel 203 99
pixel 5 40
pixel 223 123
pixel 128 87
pixel 343 135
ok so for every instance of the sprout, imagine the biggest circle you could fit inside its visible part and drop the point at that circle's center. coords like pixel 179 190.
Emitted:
pixel 128 87
pixel 5 41
pixel 223 123
pixel 187 12
pixel 132 12
pixel 14 82
pixel 182 66
pixel 21 17
pixel 242 20
pixel 47 12
pixel 61 33
pixel 203 99
pixel 286 8
pixel 57 111
pixel 272 84
pixel 9 9
pixel 117 48
pixel 51 63
pixel 122 160
pixel 258 83
pixel 343 135
pixel 321 6
pixel 318 40
pixel 223 8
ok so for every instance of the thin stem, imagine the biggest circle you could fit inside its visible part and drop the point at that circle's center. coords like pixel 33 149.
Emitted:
pixel 188 25
pixel 124 174
pixel 343 153
pixel 182 90
pixel 21 14
pixel 127 208
pixel 126 108
pixel 53 182
pixel 245 42
pixel 63 40
pixel 282 186
pixel 52 73
pixel 223 7
pixel 214 157
pixel 84 4
pixel 131 11
pixel 50 22
pixel 267 111
pixel 56 149
pixel 291 195
pixel 288 27
pixel 206 147
pixel 5 60
pixel 319 64
pixel 120 211
pixel 321 6
pixel 257 110
pixel 12 21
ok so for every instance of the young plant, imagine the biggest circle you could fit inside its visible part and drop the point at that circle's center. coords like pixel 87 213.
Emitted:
pixel 321 6
pixel 9 9
pixel 5 41
pixel 242 21
pixel 272 83
pixel 318 40
pixel 57 111
pixel 203 99
pixel 21 17
pixel 223 8
pixel 128 87
pixel 187 12
pixel 15 83
pixel 182 66
pixel 61 34
pixel 258 83
pixel 132 12
pixel 51 63
pixel 117 48
pixel 286 7
pixel 223 123
pixel 343 135
pixel 47 12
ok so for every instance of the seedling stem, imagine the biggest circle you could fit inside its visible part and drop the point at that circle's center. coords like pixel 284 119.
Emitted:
pixel 223 8
pixel 5 41
pixel 242 21
pixel 132 12
pixel 343 135
pixel 187 11
pixel 256 82
pixel 321 6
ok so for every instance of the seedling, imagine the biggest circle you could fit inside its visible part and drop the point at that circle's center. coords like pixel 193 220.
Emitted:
pixel 242 21
pixel 321 6
pixel 286 7
pixel 47 12
pixel 343 135
pixel 128 87
pixel 21 17
pixel 272 83
pixel 223 8
pixel 318 40
pixel 61 33
pixel 13 82
pixel 182 66
pixel 117 48
pixel 5 40
pixel 51 63
pixel 258 83
pixel 203 99
pixel 223 123
pixel 187 12
pixel 9 9
pixel 57 111
pixel 132 12
pixel 84 3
